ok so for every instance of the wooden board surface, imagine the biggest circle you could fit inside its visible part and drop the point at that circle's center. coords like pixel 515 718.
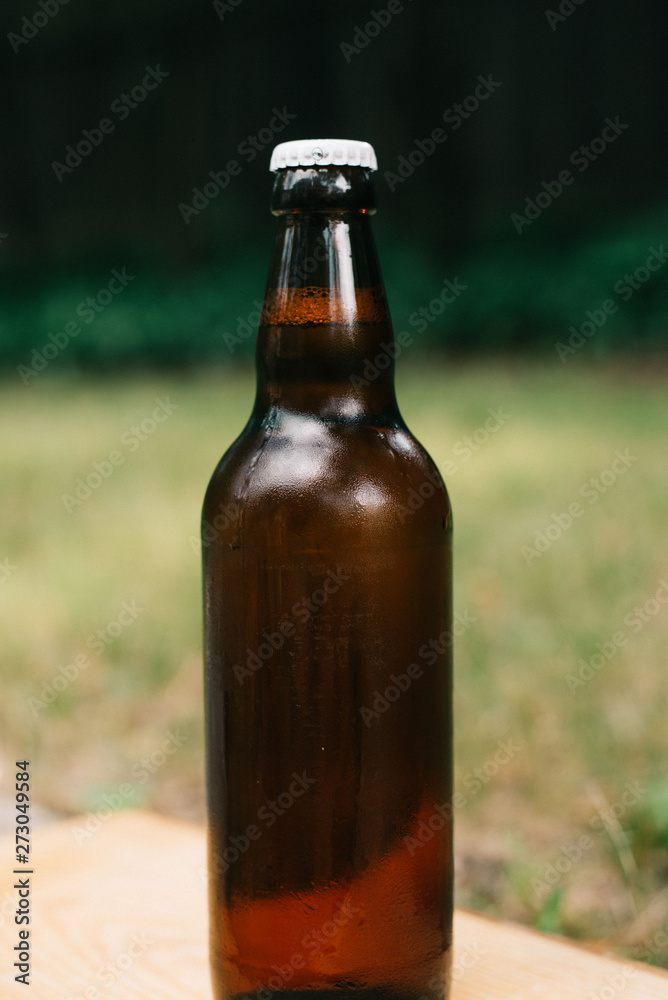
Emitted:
pixel 121 915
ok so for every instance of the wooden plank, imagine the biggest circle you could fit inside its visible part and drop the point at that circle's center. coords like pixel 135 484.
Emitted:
pixel 521 964
pixel 120 914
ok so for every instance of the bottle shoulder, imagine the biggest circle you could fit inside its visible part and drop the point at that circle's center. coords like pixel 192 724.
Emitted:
pixel 300 472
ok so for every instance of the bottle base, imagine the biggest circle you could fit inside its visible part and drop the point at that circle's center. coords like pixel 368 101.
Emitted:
pixel 342 992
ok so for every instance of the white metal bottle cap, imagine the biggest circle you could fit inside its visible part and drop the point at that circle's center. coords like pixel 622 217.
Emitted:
pixel 323 153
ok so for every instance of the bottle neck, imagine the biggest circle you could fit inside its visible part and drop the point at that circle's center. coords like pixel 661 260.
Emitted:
pixel 325 343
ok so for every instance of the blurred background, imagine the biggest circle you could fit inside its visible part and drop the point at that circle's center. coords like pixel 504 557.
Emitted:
pixel 522 155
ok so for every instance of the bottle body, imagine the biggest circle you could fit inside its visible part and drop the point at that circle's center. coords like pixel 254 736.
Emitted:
pixel 328 673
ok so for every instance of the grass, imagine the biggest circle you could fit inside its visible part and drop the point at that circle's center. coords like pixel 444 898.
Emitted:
pixel 123 726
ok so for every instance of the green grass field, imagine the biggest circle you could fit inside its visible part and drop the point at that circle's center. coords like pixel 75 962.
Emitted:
pixel 100 606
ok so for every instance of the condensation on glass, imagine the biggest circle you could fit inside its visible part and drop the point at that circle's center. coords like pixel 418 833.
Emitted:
pixel 327 640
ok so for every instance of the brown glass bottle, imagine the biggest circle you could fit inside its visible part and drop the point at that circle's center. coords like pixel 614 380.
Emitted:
pixel 327 578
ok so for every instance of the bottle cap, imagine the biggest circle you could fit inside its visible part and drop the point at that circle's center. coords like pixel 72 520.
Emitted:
pixel 323 153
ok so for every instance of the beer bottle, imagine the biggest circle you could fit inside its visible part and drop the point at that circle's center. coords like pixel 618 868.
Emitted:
pixel 327 583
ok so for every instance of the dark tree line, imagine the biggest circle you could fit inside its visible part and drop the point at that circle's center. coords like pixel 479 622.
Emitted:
pixel 394 73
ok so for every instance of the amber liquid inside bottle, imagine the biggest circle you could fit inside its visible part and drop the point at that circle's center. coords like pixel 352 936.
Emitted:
pixel 327 641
